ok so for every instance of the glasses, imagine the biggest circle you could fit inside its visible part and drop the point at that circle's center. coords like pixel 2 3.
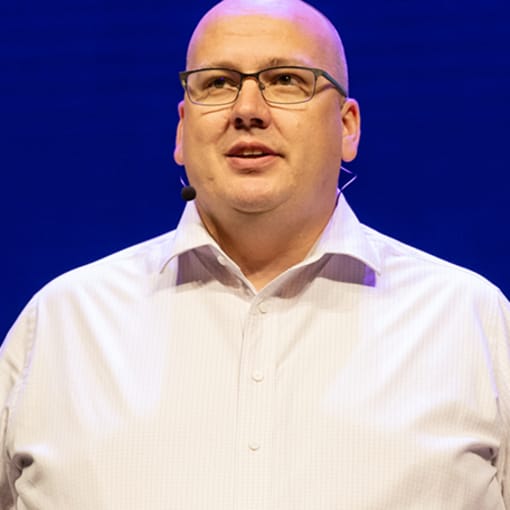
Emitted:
pixel 218 86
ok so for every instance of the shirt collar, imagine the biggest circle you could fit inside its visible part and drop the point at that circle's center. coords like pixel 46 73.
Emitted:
pixel 343 235
pixel 190 234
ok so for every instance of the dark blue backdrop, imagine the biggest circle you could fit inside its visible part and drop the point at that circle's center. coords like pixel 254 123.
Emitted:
pixel 88 112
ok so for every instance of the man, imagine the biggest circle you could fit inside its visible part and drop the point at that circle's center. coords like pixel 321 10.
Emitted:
pixel 271 353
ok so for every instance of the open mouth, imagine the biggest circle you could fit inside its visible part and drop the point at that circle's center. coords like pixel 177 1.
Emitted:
pixel 250 154
pixel 250 151
pixel 251 157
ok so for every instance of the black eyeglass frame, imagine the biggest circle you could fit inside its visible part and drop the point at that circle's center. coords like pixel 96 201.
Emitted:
pixel 183 77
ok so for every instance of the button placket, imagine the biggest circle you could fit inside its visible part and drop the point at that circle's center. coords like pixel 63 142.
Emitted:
pixel 255 408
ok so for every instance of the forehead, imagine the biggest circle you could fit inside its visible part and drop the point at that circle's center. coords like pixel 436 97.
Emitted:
pixel 253 40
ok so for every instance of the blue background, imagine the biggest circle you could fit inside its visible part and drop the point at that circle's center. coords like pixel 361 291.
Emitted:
pixel 88 113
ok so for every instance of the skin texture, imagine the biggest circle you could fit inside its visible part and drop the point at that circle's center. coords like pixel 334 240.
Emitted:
pixel 266 212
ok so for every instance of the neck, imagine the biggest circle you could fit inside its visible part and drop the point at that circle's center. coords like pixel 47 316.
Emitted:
pixel 264 246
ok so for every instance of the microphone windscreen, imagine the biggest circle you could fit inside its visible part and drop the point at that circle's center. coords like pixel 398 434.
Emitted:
pixel 188 193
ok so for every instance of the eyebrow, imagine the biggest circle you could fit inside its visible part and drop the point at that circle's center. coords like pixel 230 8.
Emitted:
pixel 272 62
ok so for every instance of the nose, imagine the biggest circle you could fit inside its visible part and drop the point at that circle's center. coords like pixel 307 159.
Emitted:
pixel 250 109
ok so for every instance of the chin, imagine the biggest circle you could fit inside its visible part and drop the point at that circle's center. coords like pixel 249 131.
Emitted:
pixel 253 200
pixel 254 204
pixel 252 208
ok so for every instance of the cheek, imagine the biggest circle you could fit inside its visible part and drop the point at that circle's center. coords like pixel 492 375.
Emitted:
pixel 204 127
pixel 201 143
pixel 326 151
pixel 329 132
pixel 321 137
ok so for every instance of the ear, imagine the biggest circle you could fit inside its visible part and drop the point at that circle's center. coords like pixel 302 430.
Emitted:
pixel 178 152
pixel 351 121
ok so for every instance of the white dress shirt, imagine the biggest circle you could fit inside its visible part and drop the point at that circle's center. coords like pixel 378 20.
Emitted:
pixel 370 376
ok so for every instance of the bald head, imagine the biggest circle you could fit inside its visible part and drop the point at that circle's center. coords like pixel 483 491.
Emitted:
pixel 303 15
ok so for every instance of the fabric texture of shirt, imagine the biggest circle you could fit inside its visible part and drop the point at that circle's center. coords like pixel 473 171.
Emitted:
pixel 370 376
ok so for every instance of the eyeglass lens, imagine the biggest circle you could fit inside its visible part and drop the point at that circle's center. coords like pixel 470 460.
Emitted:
pixel 279 85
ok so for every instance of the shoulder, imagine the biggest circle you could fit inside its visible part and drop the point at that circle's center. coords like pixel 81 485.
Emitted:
pixel 132 265
pixel 406 267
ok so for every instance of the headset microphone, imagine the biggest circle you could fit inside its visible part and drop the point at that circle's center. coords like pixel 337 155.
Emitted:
pixel 188 192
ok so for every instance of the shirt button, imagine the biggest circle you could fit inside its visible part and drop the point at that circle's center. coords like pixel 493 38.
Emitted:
pixel 263 307
pixel 221 260
pixel 257 376
pixel 254 446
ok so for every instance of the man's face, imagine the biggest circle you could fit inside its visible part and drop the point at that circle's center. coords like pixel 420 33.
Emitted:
pixel 252 157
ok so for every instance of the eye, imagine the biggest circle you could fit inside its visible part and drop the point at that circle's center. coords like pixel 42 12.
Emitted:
pixel 219 81
pixel 286 79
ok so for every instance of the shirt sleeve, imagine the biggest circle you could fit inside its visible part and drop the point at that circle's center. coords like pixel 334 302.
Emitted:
pixel 500 337
pixel 13 361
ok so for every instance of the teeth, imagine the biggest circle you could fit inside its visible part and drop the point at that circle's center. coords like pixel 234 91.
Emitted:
pixel 249 152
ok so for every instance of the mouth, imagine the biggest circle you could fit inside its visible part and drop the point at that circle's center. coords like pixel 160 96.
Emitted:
pixel 250 151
